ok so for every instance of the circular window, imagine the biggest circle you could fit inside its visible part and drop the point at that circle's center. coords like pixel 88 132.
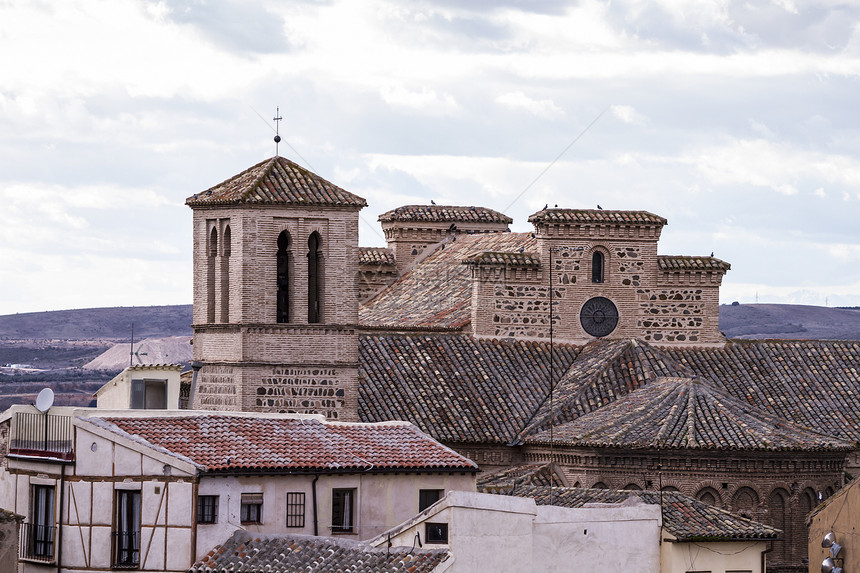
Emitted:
pixel 599 316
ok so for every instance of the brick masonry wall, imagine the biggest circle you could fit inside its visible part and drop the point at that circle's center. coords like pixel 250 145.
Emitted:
pixel 661 308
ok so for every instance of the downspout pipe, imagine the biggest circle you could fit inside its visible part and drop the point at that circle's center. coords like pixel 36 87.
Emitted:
pixel 314 501
pixel 62 504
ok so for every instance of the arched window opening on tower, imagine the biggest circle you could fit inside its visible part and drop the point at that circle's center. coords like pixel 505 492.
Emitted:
pixel 210 275
pixel 284 245
pixel 315 278
pixel 597 267
pixel 225 276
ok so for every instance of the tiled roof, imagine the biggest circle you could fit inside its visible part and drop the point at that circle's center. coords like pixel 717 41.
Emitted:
pixel 682 263
pixel 685 413
pixel 595 216
pixel 438 292
pixel 445 214
pixel 686 518
pixel 375 256
pixel 603 371
pixel 256 553
pixel 812 383
pixel 276 181
pixel 507 259
pixel 455 387
pixel 235 443
pixel 510 480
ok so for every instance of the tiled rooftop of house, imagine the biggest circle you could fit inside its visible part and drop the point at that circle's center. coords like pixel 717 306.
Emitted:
pixel 456 387
pixel 218 442
pixel 518 259
pixel 276 180
pixel 509 480
pixel 683 263
pixel 438 292
pixel 595 216
pixel 252 552
pixel 375 256
pixel 686 518
pixel 445 214
pixel 685 413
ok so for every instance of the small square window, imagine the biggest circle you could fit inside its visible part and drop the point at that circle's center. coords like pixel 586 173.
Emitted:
pixel 427 497
pixel 207 509
pixel 436 532
pixel 252 508
pixel 296 509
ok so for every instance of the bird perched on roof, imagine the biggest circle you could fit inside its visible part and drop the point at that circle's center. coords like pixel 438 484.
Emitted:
pixel 712 253
pixel 432 202
pixel 545 207
pixel 599 207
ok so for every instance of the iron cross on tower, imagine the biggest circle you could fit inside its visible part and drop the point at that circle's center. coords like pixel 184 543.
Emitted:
pixel 277 119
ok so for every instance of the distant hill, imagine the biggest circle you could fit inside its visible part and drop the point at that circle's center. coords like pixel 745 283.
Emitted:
pixel 99 323
pixel 789 321
pixel 168 350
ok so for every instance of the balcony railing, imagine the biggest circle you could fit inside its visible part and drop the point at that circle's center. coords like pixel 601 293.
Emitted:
pixel 42 435
pixel 37 542
pixel 126 546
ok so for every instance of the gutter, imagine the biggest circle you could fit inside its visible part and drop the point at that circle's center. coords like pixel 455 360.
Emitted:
pixel 314 498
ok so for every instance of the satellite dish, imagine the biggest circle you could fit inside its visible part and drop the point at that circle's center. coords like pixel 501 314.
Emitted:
pixel 45 400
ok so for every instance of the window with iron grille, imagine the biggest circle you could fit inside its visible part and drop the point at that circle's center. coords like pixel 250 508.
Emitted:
pixel 252 508
pixel 295 509
pixel 126 533
pixel 38 534
pixel 207 509
pixel 342 510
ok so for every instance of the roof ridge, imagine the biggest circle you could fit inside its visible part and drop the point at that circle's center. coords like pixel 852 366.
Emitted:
pixel 263 173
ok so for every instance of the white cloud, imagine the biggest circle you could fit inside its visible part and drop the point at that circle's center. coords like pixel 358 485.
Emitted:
pixel 544 108
pixel 628 114
pixel 423 100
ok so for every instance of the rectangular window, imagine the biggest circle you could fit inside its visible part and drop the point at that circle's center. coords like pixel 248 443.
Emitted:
pixel 148 394
pixel 427 497
pixel 342 510
pixel 252 508
pixel 207 509
pixel 436 532
pixel 39 541
pixel 126 534
pixel 295 509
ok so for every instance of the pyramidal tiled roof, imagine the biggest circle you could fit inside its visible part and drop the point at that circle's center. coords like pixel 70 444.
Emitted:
pixel 814 383
pixel 595 216
pixel 686 518
pixel 258 553
pixel 445 214
pixel 224 443
pixel 686 413
pixel 455 387
pixel 375 256
pixel 437 293
pixel 603 371
pixel 276 181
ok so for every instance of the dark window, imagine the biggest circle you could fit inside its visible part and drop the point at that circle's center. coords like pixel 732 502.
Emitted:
pixel 207 509
pixel 283 269
pixel 148 394
pixel 210 275
pixel 39 533
pixel 342 507
pixel 597 267
pixel 427 497
pixel 436 532
pixel 295 509
pixel 127 530
pixel 252 508
pixel 315 278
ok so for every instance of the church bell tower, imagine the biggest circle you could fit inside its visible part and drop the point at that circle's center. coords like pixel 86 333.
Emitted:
pixel 275 293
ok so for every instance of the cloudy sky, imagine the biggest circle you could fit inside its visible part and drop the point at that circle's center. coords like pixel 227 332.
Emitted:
pixel 738 121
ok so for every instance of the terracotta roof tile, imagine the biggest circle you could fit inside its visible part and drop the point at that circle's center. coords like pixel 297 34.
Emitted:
pixel 455 387
pixel 438 292
pixel 506 259
pixel 276 181
pixel 682 263
pixel 445 214
pixel 686 413
pixel 595 216
pixel 254 552
pixel 686 518
pixel 509 480
pixel 375 256
pixel 230 443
